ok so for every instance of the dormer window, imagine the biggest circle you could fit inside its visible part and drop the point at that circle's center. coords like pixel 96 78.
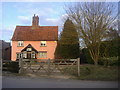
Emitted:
pixel 20 44
pixel 43 43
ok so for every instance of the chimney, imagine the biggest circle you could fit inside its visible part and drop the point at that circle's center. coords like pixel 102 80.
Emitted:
pixel 35 21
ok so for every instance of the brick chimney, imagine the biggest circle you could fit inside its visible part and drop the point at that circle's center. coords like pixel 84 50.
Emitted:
pixel 35 21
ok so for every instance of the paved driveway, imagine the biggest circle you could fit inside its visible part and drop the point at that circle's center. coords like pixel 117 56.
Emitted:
pixel 25 82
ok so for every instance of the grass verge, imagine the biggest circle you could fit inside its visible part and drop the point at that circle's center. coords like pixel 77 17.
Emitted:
pixel 92 72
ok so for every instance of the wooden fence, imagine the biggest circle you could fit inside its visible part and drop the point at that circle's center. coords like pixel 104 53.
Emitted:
pixel 49 66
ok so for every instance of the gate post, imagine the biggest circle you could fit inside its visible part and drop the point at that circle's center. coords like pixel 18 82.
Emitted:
pixel 48 67
pixel 20 66
pixel 78 65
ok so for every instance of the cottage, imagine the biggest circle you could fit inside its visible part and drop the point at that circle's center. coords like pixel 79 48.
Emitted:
pixel 34 42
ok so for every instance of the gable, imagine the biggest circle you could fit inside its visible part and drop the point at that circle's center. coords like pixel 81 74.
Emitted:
pixel 31 47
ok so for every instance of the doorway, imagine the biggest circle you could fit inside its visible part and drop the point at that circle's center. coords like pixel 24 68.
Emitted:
pixel 29 55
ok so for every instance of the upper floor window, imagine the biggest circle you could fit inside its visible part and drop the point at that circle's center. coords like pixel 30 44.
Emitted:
pixel 20 43
pixel 43 43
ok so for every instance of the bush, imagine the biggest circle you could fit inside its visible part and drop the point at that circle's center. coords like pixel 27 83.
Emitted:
pixel 109 61
pixel 11 67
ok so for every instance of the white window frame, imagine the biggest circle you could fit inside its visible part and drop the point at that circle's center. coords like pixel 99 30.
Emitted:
pixel 43 43
pixel 33 55
pixel 24 54
pixel 42 54
pixel 19 55
pixel 29 49
pixel 20 43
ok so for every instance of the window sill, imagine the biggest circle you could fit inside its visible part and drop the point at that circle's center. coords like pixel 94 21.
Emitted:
pixel 43 46
pixel 20 46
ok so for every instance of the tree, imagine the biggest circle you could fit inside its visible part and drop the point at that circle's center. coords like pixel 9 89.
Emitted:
pixel 93 20
pixel 113 34
pixel 68 44
pixel 110 47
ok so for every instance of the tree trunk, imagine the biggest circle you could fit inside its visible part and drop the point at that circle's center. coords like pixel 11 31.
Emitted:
pixel 94 56
pixel 95 63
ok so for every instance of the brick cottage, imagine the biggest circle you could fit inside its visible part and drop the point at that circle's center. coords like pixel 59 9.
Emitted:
pixel 34 42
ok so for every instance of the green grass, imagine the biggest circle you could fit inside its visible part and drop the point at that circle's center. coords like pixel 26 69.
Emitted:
pixel 92 72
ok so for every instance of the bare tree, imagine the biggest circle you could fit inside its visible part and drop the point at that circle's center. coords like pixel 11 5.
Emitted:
pixel 92 20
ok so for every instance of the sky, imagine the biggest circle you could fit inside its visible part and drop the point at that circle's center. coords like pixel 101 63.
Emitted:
pixel 21 13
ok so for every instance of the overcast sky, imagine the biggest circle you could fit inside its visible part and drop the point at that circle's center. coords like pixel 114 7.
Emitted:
pixel 21 13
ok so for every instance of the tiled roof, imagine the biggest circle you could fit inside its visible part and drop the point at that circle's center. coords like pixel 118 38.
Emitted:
pixel 38 33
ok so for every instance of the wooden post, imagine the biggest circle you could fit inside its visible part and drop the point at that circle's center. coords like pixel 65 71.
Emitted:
pixel 20 66
pixel 48 67
pixel 78 64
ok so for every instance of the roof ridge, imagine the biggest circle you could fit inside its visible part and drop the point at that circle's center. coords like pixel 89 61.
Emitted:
pixel 35 26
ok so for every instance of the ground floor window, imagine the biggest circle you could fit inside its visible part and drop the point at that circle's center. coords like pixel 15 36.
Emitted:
pixel 42 54
pixel 29 55
pixel 19 55
pixel 33 54
pixel 24 55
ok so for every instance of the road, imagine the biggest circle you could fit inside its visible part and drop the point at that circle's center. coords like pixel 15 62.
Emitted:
pixel 24 82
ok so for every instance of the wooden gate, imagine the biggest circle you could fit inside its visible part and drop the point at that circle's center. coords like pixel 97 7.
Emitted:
pixel 49 66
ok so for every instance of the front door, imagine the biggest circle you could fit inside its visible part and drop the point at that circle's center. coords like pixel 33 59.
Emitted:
pixel 29 55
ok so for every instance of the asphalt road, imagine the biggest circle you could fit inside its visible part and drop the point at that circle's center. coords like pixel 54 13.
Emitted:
pixel 24 82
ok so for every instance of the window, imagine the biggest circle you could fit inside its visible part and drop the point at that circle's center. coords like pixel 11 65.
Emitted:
pixel 29 49
pixel 43 43
pixel 20 43
pixel 42 54
pixel 33 54
pixel 24 55
pixel 19 55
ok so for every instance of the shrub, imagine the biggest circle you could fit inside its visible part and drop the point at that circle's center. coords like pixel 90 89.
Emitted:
pixel 12 67
pixel 68 43
pixel 109 61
